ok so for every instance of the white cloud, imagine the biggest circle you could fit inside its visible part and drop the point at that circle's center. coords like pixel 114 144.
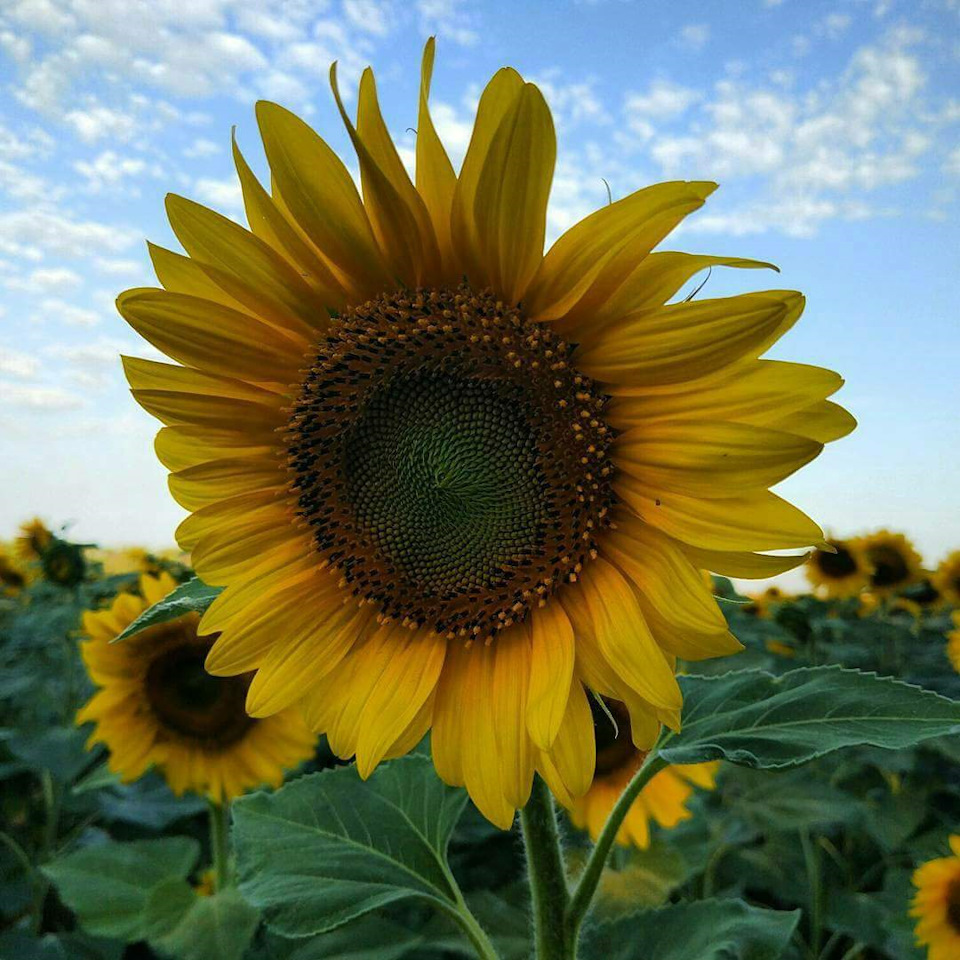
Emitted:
pixel 55 310
pixel 40 399
pixel 694 36
pixel 110 171
pixel 449 19
pixel 368 15
pixel 224 194
pixel 571 102
pixel 834 25
pixel 45 280
pixel 952 163
pixel 99 123
pixel 118 267
pixel 662 100
pixel 201 147
pixel 13 363
pixel 37 232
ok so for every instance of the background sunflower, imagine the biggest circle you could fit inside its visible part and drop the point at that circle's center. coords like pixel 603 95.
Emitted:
pixel 937 905
pixel 893 560
pixel 842 572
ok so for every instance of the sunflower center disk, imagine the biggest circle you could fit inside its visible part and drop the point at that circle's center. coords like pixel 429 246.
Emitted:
pixel 837 565
pixel 889 567
pixel 190 702
pixel 450 460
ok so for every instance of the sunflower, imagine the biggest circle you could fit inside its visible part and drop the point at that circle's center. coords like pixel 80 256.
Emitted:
pixel 33 540
pixel 953 641
pixel 893 561
pixel 946 580
pixel 663 799
pixel 63 563
pixel 759 603
pixel 13 578
pixel 842 572
pixel 937 905
pixel 448 481
pixel 157 706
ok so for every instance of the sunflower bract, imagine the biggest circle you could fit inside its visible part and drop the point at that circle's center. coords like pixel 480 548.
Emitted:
pixel 449 482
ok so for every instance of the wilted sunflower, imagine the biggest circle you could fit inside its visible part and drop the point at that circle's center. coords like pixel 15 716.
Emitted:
pixel 33 539
pixel 448 480
pixel 894 563
pixel 947 578
pixel 844 572
pixel 663 799
pixel 157 706
pixel 937 905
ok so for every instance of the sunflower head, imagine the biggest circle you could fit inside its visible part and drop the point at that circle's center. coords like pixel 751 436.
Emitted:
pixel 663 800
pixel 13 577
pixel 450 481
pixel 936 905
pixel 841 572
pixel 946 580
pixel 33 539
pixel 760 604
pixel 63 563
pixel 158 706
pixel 892 559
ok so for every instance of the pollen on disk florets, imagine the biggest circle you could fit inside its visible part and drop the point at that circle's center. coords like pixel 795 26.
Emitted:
pixel 450 460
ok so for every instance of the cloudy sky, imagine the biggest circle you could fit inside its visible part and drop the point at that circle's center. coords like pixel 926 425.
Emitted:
pixel 833 127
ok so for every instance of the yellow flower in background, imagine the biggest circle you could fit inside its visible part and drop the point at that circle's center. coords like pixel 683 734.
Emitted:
pixel 946 580
pixel 135 560
pixel 760 603
pixel 663 799
pixel 953 642
pixel 448 481
pixel 894 563
pixel 937 905
pixel 842 573
pixel 13 578
pixel 157 706
pixel 34 539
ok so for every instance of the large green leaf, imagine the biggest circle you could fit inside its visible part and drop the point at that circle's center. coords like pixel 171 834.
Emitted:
pixel 329 847
pixel 758 720
pixel 704 930
pixel 108 885
pixel 370 938
pixel 194 596
pixel 190 927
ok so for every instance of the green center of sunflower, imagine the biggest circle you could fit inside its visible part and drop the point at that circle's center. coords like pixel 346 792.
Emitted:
pixel 450 459
pixel 889 566
pixel 615 746
pixel 190 702
pixel 837 565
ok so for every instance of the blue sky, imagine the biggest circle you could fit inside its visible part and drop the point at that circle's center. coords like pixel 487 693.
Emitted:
pixel 833 128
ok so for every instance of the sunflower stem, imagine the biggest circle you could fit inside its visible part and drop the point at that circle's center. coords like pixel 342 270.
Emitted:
pixel 590 878
pixel 548 878
pixel 220 843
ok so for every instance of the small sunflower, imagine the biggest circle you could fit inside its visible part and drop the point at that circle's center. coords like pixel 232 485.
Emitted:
pixel 663 799
pixel 841 573
pixel 63 563
pixel 759 603
pixel 937 905
pixel 448 480
pixel 893 561
pixel 953 641
pixel 13 578
pixel 158 706
pixel 946 580
pixel 33 540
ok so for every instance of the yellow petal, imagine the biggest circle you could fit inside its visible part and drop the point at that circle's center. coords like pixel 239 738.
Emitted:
pixel 592 259
pixel 321 196
pixel 150 375
pixel 413 669
pixel 496 100
pixel 507 713
pixel 213 338
pixel 700 458
pixel 180 274
pixel 182 446
pixel 656 279
pixel 446 737
pixel 270 225
pixel 623 637
pixel 551 672
pixel 247 268
pixel 195 487
pixel 250 509
pixel 435 177
pixel 510 207
pixel 760 521
pixel 749 566
pixel 824 422
pixel 689 340
pixel 253 422
pixel 569 764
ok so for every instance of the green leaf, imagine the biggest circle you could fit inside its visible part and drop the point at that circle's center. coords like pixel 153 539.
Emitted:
pixel 218 927
pixel 60 750
pixel 705 930
pixel 98 778
pixel 329 847
pixel 194 596
pixel 370 938
pixel 108 885
pixel 757 720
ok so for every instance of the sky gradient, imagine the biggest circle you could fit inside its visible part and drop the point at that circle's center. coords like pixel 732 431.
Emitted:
pixel 832 127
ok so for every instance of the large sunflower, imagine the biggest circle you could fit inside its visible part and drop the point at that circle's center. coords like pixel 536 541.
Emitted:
pixel 157 706
pixel 893 560
pixel 946 580
pixel 663 799
pixel 937 905
pixel 842 572
pixel 449 481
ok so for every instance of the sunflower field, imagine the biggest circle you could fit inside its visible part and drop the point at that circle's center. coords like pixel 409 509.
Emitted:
pixel 762 838
pixel 453 658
